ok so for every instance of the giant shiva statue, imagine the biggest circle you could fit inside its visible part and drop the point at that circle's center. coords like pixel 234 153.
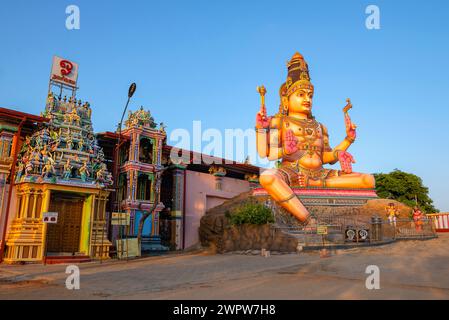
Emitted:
pixel 301 145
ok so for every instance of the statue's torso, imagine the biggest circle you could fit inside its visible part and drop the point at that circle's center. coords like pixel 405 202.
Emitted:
pixel 310 136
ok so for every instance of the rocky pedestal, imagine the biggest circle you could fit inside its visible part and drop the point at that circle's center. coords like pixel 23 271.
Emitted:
pixel 217 233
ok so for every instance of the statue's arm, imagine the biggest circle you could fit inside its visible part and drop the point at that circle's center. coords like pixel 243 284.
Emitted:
pixel 268 141
pixel 275 145
pixel 262 142
pixel 330 154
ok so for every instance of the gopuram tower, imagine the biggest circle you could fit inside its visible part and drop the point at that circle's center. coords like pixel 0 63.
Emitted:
pixel 60 169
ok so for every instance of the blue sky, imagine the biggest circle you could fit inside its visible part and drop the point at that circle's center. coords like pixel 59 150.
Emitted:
pixel 201 60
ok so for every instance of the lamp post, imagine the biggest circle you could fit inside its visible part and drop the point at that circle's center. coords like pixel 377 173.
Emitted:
pixel 131 90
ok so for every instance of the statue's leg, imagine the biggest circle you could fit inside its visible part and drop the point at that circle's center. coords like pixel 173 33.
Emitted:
pixel 280 191
pixel 348 181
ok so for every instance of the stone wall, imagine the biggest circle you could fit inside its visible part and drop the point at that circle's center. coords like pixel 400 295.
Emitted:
pixel 255 237
pixel 218 234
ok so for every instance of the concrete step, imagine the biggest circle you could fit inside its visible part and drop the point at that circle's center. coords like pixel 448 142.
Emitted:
pixel 67 259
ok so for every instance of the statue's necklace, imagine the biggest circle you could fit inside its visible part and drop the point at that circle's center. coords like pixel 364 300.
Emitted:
pixel 309 126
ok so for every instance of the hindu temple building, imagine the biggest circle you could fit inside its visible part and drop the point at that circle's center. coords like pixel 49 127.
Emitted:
pixel 60 168
pixel 56 164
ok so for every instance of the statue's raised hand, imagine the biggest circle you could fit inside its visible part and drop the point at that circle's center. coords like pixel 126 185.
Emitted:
pixel 350 128
pixel 346 160
pixel 290 142
pixel 262 121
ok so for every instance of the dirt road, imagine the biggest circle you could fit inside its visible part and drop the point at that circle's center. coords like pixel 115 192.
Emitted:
pixel 408 270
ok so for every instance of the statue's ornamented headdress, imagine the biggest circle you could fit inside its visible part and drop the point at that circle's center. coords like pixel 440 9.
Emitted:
pixel 298 76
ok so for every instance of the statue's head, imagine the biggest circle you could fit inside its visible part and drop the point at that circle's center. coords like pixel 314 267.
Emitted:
pixel 297 92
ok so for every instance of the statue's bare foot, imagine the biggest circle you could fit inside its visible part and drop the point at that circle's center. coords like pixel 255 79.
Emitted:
pixel 311 223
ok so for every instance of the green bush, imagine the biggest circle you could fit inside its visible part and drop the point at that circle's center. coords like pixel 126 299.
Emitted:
pixel 251 213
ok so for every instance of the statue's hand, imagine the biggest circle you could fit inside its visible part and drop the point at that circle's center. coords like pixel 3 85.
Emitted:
pixel 350 128
pixel 291 142
pixel 262 121
pixel 346 161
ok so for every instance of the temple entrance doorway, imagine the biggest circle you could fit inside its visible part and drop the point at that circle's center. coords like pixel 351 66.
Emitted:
pixel 63 238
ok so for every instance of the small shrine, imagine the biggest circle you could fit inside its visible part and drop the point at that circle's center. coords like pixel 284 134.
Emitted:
pixel 61 169
pixel 139 179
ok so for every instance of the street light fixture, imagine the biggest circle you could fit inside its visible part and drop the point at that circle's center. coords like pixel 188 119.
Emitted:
pixel 131 90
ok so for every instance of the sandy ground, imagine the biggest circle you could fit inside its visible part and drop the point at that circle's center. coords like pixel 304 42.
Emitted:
pixel 408 270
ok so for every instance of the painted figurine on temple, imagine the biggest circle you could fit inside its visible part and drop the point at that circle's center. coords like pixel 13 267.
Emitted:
pixel 74 117
pixel 162 127
pixel 84 172
pixel 36 156
pixel 26 145
pixel 100 155
pixel 55 140
pixel 80 144
pixel 101 174
pixel 44 153
pixel 87 110
pixel 67 117
pixel 38 141
pixel 301 144
pixel 50 102
pixel 69 143
pixel 44 135
pixel 48 168
pixel 392 213
pixel 67 173
pixel 20 169
pixel 29 167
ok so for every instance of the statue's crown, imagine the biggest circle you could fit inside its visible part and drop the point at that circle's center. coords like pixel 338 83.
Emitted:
pixel 298 75
pixel 296 59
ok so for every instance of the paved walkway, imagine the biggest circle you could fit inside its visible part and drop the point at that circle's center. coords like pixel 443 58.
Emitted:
pixel 408 270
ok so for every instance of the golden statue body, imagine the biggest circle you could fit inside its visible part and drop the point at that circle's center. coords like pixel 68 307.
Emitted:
pixel 301 143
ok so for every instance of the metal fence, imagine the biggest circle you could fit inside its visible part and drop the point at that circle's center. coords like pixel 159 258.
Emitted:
pixel 353 231
pixel 409 229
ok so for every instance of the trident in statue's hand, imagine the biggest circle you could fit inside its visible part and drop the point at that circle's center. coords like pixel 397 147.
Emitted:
pixel 348 106
pixel 262 91
pixel 350 126
pixel 262 121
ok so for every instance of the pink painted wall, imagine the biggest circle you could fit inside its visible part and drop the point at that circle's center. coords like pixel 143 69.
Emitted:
pixel 201 195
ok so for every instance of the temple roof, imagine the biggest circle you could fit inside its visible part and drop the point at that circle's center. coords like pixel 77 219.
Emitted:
pixel 10 120
pixel 207 160
pixel 140 118
pixel 18 115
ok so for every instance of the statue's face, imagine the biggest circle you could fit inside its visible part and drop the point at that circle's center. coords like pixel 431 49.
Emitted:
pixel 300 101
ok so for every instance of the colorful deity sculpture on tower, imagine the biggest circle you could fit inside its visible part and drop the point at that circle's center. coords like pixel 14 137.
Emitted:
pixel 301 145
pixel 66 150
